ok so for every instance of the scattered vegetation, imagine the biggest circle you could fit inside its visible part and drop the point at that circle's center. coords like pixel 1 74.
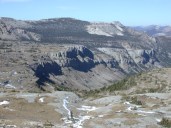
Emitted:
pixel 122 85
pixel 48 124
pixel 131 122
pixel 134 100
pixel 153 90
pixel 165 122
pixel 147 82
pixel 117 86
pixel 61 88
pixel 5 46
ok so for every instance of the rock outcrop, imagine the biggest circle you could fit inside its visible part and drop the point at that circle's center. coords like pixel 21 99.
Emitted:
pixel 78 57
pixel 11 29
pixel 80 54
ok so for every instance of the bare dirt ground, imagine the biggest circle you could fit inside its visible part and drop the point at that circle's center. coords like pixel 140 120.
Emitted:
pixel 21 113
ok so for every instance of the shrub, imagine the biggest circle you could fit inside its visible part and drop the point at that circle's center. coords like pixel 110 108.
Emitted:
pixel 136 101
pixel 165 122
pixel 122 85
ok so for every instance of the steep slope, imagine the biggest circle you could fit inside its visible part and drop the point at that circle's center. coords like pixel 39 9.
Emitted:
pixel 164 53
pixel 77 54
pixel 106 29
pixel 11 29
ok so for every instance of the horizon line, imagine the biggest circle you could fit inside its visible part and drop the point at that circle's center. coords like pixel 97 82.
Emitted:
pixel 91 21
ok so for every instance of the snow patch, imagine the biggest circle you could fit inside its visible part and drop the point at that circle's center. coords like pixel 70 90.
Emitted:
pixel 128 103
pixel 66 121
pixel 77 122
pixel 100 116
pixel 41 99
pixel 135 107
pixel 65 102
pixel 11 126
pixel 147 112
pixel 80 122
pixel 87 108
pixel 15 73
pixel 10 109
pixel 130 108
pixel 4 102
pixel 158 120
pixel 10 86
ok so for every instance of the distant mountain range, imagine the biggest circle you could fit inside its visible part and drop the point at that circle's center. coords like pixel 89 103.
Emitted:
pixel 155 30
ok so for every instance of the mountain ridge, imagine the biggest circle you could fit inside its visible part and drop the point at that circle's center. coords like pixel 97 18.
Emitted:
pixel 99 52
pixel 155 30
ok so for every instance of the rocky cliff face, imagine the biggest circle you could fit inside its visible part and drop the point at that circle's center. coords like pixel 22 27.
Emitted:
pixel 78 57
pixel 132 59
pixel 92 65
pixel 82 59
pixel 80 54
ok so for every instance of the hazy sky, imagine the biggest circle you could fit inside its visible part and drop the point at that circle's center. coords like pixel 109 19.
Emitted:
pixel 128 12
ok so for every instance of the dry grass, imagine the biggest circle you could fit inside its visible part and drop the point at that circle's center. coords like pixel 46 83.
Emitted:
pixel 24 111
pixel 131 115
pixel 118 107
pixel 131 122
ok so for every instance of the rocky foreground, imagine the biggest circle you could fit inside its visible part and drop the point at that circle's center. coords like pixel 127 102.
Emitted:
pixel 64 109
pixel 121 108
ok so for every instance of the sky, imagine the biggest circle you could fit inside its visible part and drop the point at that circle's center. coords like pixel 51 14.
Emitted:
pixel 128 12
